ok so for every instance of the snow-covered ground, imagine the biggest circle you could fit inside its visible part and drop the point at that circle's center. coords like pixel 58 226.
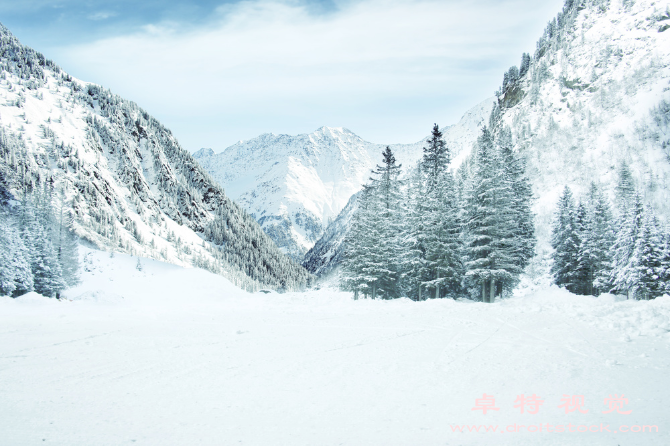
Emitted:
pixel 174 356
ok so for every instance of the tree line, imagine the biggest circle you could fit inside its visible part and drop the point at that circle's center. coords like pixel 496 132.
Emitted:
pixel 596 252
pixel 442 233
pixel 38 249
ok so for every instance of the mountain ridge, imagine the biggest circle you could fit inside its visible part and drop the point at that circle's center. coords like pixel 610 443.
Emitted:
pixel 127 182
pixel 294 185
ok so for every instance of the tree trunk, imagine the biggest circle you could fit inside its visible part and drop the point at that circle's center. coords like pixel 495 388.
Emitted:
pixel 437 287
pixel 492 291
pixel 355 294
pixel 419 292
pixel 483 290
pixel 374 291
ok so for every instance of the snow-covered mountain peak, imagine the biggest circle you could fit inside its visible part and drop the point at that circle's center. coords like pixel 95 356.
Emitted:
pixel 203 152
pixel 295 185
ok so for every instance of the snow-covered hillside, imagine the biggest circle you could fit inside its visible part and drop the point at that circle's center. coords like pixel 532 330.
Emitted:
pixel 587 104
pixel 126 181
pixel 173 356
pixel 595 94
pixel 295 185
pixel 327 253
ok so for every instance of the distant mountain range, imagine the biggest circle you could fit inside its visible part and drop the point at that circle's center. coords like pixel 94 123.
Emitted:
pixel 295 185
pixel 594 94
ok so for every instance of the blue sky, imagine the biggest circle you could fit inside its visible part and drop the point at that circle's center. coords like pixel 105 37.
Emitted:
pixel 216 72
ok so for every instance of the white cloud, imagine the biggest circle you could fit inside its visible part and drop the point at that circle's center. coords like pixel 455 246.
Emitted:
pixel 385 69
pixel 101 15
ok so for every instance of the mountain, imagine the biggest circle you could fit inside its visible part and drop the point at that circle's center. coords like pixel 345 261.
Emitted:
pixel 327 252
pixel 295 185
pixel 593 96
pixel 125 179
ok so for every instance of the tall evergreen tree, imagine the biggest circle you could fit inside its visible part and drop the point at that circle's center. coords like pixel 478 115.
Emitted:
pixel 664 264
pixel 621 275
pixel 565 241
pixel 521 200
pixel 441 228
pixel 646 259
pixel 47 273
pixel 581 280
pixel 625 188
pixel 371 262
pixel 16 277
pixel 490 261
pixel 596 241
pixel 413 269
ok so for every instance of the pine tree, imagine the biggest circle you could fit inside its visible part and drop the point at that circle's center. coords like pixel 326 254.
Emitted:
pixel 565 242
pixel 47 274
pixel 371 255
pixel 412 262
pixel 521 200
pixel 621 275
pixel 358 245
pixel 66 243
pixel 15 274
pixel 490 260
pixel 441 228
pixel 625 188
pixel 646 259
pixel 664 264
pixel 595 243
pixel 581 275
pixel 353 251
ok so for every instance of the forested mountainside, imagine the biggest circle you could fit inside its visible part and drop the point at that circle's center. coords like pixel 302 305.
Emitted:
pixel 592 101
pixel 327 253
pixel 295 185
pixel 124 178
pixel 593 96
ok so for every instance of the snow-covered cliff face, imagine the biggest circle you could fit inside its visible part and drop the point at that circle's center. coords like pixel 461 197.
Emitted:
pixel 295 185
pixel 128 184
pixel 327 252
pixel 596 94
pixel 590 102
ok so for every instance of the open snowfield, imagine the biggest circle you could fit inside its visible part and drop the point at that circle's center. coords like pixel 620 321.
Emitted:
pixel 173 356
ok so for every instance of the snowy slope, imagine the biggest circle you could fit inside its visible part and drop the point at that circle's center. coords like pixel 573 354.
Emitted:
pixel 128 184
pixel 294 185
pixel 327 252
pixel 173 356
pixel 586 104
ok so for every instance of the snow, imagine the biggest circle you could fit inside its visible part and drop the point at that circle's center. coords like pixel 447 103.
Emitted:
pixel 315 174
pixel 175 356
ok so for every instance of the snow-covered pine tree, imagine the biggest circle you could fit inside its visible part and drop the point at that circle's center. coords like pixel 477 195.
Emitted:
pixel 521 200
pixel 664 264
pixel 412 255
pixel 596 240
pixel 441 229
pixel 581 282
pixel 625 188
pixel 386 222
pixel 357 244
pixel 16 277
pixel 371 262
pixel 490 226
pixel 565 241
pixel 645 262
pixel 47 274
pixel 622 250
pixel 66 242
